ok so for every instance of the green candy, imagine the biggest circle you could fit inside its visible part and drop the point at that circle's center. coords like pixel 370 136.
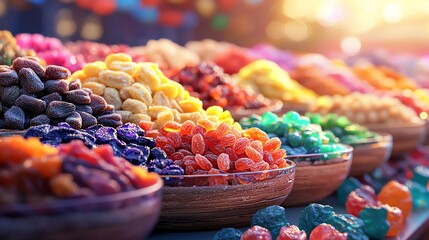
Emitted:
pixel 349 185
pixel 268 118
pixel 311 142
pixel 349 224
pixel 294 139
pixel 272 218
pixel 291 116
pixel 375 222
pixel 313 215
pixel 421 175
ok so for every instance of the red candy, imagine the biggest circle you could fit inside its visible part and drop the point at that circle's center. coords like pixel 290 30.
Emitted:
pixel 223 162
pixel 327 232
pixel 198 144
pixel 256 233
pixel 359 199
pixel 291 232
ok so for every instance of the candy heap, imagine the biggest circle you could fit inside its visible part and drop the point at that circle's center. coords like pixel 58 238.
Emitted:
pixel 295 133
pixel 273 82
pixel 33 95
pixel 9 50
pixel 384 215
pixel 127 141
pixel 383 78
pixel 209 148
pixel 341 127
pixel 141 92
pixel 93 51
pixel 208 49
pixel 365 108
pixel 208 82
pixel 51 50
pixel 71 171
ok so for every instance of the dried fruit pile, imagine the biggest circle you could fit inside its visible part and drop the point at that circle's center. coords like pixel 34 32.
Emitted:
pixel 141 92
pixel 208 82
pixel 127 141
pixel 209 148
pixel 33 172
pixel 9 50
pixel 33 95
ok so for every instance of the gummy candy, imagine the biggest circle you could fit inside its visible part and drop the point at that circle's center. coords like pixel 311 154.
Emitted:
pixel 396 195
pixel 349 185
pixel 228 234
pixel 346 223
pixel 327 232
pixel 273 218
pixel 396 220
pixel 359 199
pixel 375 220
pixel 313 215
pixel 256 233
pixel 291 232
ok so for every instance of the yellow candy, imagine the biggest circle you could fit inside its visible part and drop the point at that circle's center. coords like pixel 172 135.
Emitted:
pixel 128 67
pixel 142 87
pixel 141 94
pixel 160 99
pixel 214 110
pixel 124 93
pixel 78 75
pixel 134 106
pixel 137 118
pixel 96 88
pixel 94 69
pixel 175 105
pixel 146 74
pixel 170 90
pixel 125 115
pixel 115 79
pixel 191 105
pixel 111 96
pixel 176 115
pixel 154 111
pixel 164 117
pixel 120 57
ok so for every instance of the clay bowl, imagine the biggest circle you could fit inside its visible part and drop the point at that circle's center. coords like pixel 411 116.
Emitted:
pixel 191 203
pixel 272 106
pixel 315 179
pixel 102 217
pixel 368 156
pixel 406 136
pixel 8 132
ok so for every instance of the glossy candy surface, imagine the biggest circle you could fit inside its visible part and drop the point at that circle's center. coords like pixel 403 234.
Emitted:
pixel 256 233
pixel 291 232
pixel 398 195
pixel 376 223
pixel 327 232
pixel 272 218
pixel 360 199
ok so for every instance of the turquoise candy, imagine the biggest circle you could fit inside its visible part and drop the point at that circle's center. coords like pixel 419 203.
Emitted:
pixel 311 142
pixel 330 136
pixel 337 131
pixel 350 139
pixel 228 234
pixel 300 151
pixel 268 118
pixel 314 117
pixel 347 223
pixel 294 139
pixel 421 175
pixel 419 194
pixel 375 222
pixel 255 117
pixel 277 128
pixel 326 148
pixel 343 121
pixel 313 215
pixel 349 185
pixel 291 116
pixel 272 218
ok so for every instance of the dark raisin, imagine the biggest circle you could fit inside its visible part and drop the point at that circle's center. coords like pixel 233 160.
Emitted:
pixel 59 86
pixel 8 76
pixel 14 118
pixel 84 108
pixel 74 120
pixel 56 72
pixel 77 97
pixel 59 109
pixel 52 97
pixel 9 96
pixel 39 120
pixel 30 104
pixel 87 119
pixel 113 120
pixel 29 81
pixel 75 84
pixel 89 91
pixel 98 104
pixel 26 62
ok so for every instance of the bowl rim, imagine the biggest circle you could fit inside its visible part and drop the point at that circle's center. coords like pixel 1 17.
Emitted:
pixel 348 150
pixel 291 166
pixel 415 124
pixel 75 202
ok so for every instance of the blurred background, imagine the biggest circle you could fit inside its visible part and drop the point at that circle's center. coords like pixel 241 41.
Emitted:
pixel 326 26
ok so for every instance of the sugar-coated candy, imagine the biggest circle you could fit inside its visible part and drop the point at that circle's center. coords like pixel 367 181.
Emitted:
pixel 375 220
pixel 359 199
pixel 396 220
pixel 327 232
pixel 14 118
pixel 256 233
pixel 291 232
pixel 398 195
pixel 228 234
pixel 272 218
pixel 347 223
pixel 313 215
pixel 350 184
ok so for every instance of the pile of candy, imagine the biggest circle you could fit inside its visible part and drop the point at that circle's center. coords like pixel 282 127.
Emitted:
pixel 348 132
pixel 365 108
pixel 385 214
pixel 208 82
pixel 295 133
pixel 9 50
pixel 32 172
pixel 208 49
pixel 50 50
pixel 209 148
pixel 92 51
pixel 383 78
pixel 270 80
pixel 141 92
pixel 127 141
pixel 33 95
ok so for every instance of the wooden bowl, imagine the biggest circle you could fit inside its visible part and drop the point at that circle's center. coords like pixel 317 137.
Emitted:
pixel 190 206
pixel 367 157
pixel 316 179
pixel 406 136
pixel 8 132
pixel 272 106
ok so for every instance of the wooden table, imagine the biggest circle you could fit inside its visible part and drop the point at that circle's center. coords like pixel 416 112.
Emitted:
pixel 417 223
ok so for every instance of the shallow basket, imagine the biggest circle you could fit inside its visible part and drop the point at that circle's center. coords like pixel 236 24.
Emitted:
pixel 315 179
pixel 193 204
pixel 126 215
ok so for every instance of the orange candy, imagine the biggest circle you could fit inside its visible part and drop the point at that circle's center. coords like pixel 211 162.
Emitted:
pixel 395 219
pixel 17 149
pixel 396 195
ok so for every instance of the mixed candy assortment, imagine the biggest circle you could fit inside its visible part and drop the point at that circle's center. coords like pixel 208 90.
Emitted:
pixel 32 172
pixel 296 134
pixel 33 95
pixel 141 92
pixel 9 50
pixel 208 82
